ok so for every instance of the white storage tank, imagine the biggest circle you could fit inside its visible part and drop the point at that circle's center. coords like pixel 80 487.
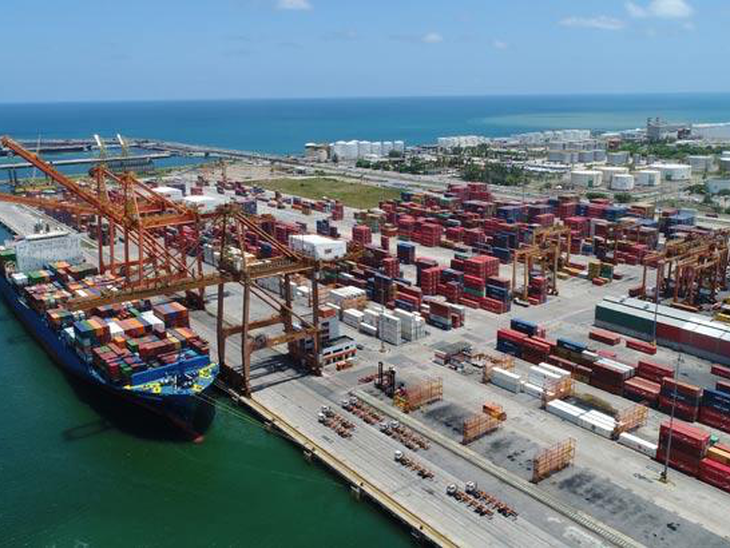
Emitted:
pixel 352 150
pixel 599 155
pixel 387 147
pixel 617 158
pixel 338 150
pixel 725 163
pixel 610 171
pixel 399 146
pixel 674 172
pixel 363 148
pixel 648 177
pixel 376 148
pixel 556 145
pixel 700 164
pixel 586 178
pixel 622 181
pixel 585 156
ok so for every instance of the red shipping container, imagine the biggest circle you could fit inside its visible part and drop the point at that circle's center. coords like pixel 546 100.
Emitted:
pixel 716 419
pixel 641 346
pixel 604 336
pixel 511 335
pixel 683 411
pixel 653 371
pixel 720 371
pixel 682 387
pixel 715 473
pixel 697 437
pixel 642 390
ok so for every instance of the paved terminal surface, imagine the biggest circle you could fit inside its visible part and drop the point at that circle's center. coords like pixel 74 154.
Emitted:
pixel 612 483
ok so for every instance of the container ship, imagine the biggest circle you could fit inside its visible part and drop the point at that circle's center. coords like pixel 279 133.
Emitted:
pixel 141 352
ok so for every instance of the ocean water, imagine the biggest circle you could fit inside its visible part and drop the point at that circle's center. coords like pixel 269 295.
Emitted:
pixel 283 126
pixel 75 471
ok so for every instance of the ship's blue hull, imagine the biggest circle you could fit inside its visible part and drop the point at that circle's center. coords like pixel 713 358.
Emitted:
pixel 180 409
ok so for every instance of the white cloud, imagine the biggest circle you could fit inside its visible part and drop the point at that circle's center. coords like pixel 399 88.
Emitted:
pixel 293 5
pixel 689 25
pixel 432 38
pixel 601 22
pixel 661 9
pixel 500 45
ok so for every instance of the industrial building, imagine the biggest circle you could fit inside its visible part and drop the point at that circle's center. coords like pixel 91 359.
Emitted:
pixel 712 132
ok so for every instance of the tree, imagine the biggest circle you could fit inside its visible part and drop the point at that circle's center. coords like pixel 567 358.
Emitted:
pixel 595 195
pixel 623 197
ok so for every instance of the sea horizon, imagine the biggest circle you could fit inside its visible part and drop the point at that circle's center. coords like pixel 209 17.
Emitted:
pixel 284 125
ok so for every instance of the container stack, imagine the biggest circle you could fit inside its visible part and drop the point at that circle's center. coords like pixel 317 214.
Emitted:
pixel 389 329
pixel 643 391
pixel 510 342
pixel 537 290
pixel 430 280
pixel 498 298
pixel 413 326
pixel 610 375
pixel 715 409
pixel 439 314
pixel 406 252
pixel 688 446
pixel 352 317
pixel 383 289
pixel 688 398
pixel 429 234
pixel 361 234
pixel 408 298
pixel 173 314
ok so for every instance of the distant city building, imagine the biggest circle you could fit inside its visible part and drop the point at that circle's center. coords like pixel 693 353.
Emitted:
pixel 661 130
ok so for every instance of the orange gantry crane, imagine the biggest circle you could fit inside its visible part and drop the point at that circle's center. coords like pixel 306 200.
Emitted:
pixel 687 265
pixel 148 265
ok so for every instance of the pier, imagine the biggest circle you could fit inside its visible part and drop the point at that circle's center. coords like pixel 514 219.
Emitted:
pixel 121 160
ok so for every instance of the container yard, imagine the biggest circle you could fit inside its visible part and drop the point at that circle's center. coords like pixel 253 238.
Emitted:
pixel 490 372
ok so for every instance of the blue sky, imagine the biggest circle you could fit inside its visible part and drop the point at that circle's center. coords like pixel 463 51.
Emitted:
pixel 188 49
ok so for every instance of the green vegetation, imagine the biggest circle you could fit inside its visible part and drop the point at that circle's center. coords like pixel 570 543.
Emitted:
pixel 666 151
pixel 315 188
pixel 414 165
pixel 495 174
pixel 623 197
pixel 697 189
pixel 596 195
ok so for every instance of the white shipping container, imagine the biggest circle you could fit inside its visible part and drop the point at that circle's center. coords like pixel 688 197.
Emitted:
pixel 533 389
pixel 539 376
pixel 638 444
pixel 596 426
pixel 369 329
pixel 318 247
pixel 506 379
pixel 562 373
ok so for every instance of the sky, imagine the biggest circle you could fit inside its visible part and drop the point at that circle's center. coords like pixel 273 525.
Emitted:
pixel 79 50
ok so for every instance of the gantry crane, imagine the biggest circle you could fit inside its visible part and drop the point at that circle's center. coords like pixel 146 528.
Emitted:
pixel 687 265
pixel 151 267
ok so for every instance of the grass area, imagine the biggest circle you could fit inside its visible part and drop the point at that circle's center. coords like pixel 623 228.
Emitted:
pixel 315 188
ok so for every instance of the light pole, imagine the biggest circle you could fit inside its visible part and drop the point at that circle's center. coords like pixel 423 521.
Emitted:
pixel 663 476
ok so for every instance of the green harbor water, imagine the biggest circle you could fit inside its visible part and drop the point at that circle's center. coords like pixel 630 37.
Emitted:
pixel 74 473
